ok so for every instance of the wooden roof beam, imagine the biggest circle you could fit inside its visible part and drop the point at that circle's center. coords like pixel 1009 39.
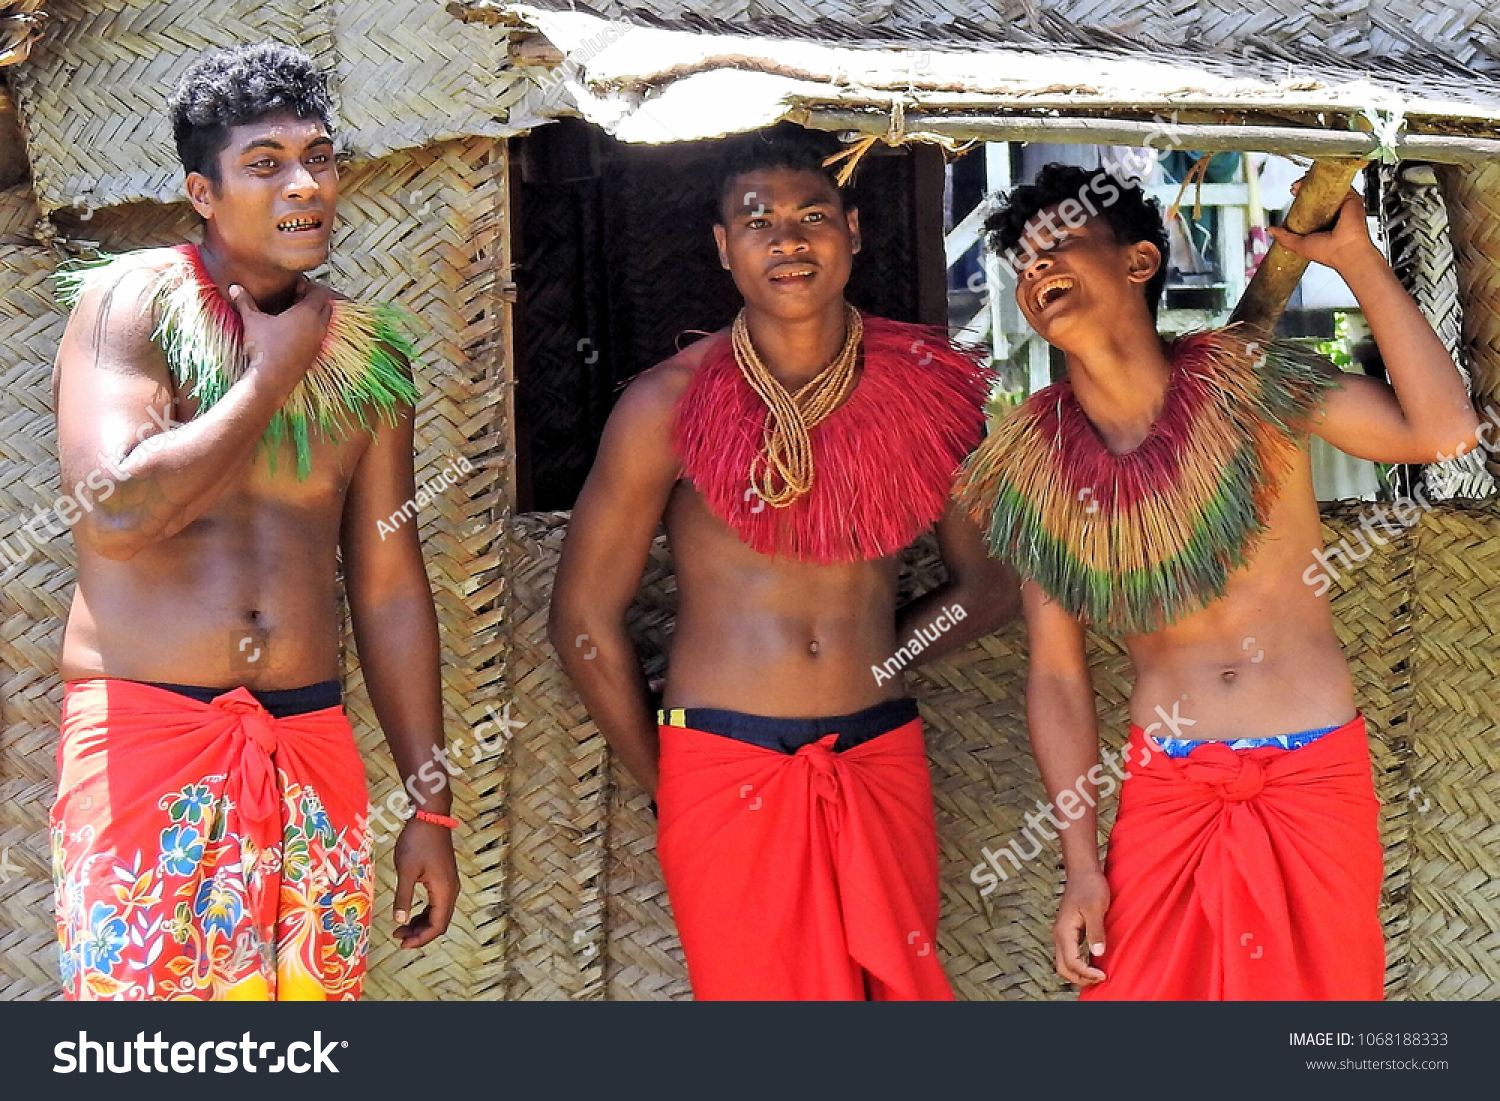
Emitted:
pixel 1205 137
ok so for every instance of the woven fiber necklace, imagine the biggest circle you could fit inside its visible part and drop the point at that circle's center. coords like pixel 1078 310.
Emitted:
pixel 781 473
pixel 358 370
pixel 885 460
pixel 1130 543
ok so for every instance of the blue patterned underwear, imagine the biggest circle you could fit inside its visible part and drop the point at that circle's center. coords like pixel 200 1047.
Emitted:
pixel 1181 747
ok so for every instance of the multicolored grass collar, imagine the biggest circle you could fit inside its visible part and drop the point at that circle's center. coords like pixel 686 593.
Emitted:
pixel 1130 543
pixel 359 368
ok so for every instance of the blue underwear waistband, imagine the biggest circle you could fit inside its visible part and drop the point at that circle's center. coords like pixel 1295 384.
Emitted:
pixel 1181 747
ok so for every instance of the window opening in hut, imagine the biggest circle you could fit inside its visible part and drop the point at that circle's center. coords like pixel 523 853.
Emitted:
pixel 616 269
pixel 616 265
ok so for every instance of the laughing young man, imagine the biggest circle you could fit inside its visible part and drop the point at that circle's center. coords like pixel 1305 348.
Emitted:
pixel 1161 494
pixel 240 428
pixel 792 456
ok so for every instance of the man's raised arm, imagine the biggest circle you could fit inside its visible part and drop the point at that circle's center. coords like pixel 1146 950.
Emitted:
pixel 609 540
pixel 148 477
pixel 1424 413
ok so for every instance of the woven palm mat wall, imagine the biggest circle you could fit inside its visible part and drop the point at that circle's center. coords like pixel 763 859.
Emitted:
pixel 1472 196
pixel 1416 615
pixel 405 74
pixel 1416 224
pixel 442 260
pixel 1453 803
pixel 33 596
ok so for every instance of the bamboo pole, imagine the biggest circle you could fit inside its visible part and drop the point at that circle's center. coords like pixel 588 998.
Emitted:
pixel 1205 137
pixel 1315 207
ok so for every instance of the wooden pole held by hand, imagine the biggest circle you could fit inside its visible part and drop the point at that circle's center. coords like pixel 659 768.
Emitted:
pixel 1314 209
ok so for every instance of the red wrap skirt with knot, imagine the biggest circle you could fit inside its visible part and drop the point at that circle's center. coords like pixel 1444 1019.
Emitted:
pixel 808 876
pixel 1249 874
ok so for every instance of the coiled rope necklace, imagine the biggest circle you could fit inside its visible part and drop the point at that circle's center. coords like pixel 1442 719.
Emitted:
pixel 782 472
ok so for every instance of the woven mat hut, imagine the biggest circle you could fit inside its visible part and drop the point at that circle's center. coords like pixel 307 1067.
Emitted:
pixel 563 897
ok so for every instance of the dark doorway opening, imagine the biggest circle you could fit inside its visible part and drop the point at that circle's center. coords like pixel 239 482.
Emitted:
pixel 616 269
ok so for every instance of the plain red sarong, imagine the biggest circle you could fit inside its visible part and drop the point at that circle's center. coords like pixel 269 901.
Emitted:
pixel 208 850
pixel 809 876
pixel 1246 875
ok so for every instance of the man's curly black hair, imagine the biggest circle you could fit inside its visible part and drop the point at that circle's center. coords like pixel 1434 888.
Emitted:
pixel 785 145
pixel 232 87
pixel 1131 215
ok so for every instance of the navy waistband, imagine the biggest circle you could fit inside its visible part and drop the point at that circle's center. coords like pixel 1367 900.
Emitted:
pixel 282 703
pixel 790 735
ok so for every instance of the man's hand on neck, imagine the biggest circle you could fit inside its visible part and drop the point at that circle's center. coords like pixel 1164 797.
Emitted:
pixel 272 289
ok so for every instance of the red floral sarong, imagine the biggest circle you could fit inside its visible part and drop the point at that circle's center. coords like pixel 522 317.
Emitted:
pixel 208 850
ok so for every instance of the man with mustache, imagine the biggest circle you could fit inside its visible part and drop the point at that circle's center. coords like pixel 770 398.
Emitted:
pixel 1161 493
pixel 239 429
pixel 791 456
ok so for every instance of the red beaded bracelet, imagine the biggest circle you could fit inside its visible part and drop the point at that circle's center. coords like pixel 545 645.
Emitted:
pixel 437 819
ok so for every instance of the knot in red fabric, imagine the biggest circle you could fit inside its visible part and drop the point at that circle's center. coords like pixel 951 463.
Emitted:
pixel 256 720
pixel 819 757
pixel 1237 775
pixel 253 782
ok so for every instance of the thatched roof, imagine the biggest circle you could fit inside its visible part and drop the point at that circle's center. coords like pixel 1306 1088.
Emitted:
pixel 1393 39
pixel 660 83
pixel 410 72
